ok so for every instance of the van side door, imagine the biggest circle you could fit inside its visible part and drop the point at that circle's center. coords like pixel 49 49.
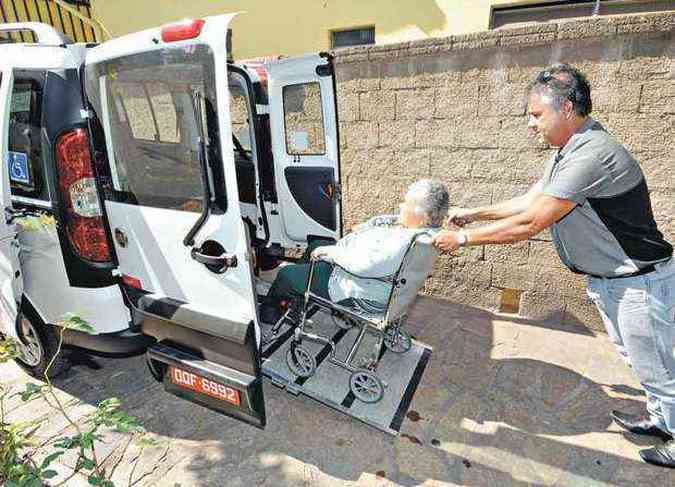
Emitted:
pixel 306 147
pixel 11 279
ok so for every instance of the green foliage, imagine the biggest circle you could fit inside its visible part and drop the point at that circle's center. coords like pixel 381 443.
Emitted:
pixel 14 439
pixel 30 392
pixel 17 448
pixel 146 441
pixel 73 321
pixel 31 223
pixel 9 350
pixel 50 458
pixel 108 414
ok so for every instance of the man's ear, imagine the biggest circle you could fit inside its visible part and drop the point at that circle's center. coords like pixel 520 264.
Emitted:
pixel 568 109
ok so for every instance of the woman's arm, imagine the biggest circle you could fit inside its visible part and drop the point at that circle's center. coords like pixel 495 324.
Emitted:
pixel 366 257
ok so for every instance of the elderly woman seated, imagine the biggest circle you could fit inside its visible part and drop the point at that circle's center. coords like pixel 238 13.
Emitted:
pixel 375 249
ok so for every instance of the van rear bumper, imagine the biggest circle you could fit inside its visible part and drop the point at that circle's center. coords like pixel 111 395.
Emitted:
pixel 125 342
pixel 249 403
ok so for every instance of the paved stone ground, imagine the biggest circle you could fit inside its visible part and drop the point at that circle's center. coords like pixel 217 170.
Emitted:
pixel 504 401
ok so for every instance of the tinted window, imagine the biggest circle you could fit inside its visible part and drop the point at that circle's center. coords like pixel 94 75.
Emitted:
pixel 353 37
pixel 239 112
pixel 25 164
pixel 242 138
pixel 303 119
pixel 564 9
pixel 148 114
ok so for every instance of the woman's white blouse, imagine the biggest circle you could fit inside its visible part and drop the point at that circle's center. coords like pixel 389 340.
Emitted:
pixel 375 249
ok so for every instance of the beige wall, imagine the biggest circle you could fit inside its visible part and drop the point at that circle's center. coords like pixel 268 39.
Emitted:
pixel 288 27
pixel 452 109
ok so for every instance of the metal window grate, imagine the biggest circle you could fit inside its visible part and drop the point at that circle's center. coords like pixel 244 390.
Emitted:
pixel 48 12
pixel 551 11
pixel 353 37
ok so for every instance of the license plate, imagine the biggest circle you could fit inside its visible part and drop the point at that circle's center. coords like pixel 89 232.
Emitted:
pixel 197 383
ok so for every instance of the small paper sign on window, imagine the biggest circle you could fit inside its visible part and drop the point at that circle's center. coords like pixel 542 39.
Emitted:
pixel 299 141
pixel 19 172
pixel 20 101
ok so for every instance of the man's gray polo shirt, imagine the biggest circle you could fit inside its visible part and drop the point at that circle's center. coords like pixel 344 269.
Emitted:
pixel 611 232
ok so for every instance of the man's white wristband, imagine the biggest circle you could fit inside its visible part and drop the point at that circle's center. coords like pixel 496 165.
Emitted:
pixel 462 239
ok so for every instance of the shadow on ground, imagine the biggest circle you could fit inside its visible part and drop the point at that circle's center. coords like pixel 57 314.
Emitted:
pixel 503 402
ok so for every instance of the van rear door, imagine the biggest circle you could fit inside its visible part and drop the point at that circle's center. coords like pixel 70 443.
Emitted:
pixel 161 99
pixel 306 147
pixel 11 279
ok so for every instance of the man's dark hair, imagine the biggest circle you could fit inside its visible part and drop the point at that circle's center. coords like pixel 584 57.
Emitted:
pixel 564 82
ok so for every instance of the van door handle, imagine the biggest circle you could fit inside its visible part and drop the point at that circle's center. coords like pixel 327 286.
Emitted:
pixel 121 238
pixel 216 263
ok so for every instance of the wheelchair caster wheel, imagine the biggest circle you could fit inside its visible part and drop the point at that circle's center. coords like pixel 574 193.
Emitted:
pixel 301 361
pixel 397 340
pixel 366 386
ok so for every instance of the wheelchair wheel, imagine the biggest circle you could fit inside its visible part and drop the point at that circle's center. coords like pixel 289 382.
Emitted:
pixel 397 339
pixel 366 386
pixel 300 361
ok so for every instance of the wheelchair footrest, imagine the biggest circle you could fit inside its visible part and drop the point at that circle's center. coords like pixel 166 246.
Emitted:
pixel 330 383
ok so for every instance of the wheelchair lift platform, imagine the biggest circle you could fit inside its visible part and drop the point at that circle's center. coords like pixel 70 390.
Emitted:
pixel 401 373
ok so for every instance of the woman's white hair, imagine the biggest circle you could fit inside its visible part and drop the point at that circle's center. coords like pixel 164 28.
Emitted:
pixel 431 199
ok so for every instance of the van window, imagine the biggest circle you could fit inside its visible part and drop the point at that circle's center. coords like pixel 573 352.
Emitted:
pixel 242 135
pixel 25 164
pixel 240 111
pixel 303 119
pixel 151 111
pixel 151 130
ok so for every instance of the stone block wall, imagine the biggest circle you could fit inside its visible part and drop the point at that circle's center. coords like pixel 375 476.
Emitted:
pixel 453 109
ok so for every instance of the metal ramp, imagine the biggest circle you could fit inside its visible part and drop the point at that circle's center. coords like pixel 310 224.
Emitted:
pixel 330 384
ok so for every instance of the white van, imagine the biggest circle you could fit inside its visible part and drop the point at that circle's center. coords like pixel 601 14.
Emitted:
pixel 65 264
pixel 174 177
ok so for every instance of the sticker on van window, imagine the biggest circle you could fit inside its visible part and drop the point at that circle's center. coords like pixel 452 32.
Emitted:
pixel 20 101
pixel 19 172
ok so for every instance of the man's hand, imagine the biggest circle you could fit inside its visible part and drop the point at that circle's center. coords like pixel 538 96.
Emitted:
pixel 460 216
pixel 446 241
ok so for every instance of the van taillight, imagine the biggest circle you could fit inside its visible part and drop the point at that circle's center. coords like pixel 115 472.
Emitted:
pixel 84 224
pixel 182 31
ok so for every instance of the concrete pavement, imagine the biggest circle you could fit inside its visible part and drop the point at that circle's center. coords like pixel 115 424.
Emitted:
pixel 504 401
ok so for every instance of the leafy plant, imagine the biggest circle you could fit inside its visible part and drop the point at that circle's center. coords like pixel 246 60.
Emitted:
pixel 18 449
pixel 9 350
pixel 72 321
pixel 35 222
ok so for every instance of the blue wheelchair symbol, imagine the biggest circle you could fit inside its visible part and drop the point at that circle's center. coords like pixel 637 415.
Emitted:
pixel 18 167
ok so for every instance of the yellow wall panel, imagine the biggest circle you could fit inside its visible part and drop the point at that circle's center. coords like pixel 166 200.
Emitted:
pixel 297 26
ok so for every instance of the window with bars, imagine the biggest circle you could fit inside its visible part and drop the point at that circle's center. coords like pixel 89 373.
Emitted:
pixel 556 10
pixel 352 37
pixel 72 21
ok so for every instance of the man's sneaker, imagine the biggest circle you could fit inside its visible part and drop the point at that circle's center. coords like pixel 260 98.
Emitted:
pixel 640 425
pixel 661 455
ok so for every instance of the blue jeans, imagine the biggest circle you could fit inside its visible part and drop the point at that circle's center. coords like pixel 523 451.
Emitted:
pixel 639 314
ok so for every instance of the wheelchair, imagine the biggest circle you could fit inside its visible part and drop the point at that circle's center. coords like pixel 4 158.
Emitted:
pixel 385 322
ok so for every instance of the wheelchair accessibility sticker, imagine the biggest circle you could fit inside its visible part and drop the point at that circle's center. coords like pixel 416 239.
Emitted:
pixel 18 167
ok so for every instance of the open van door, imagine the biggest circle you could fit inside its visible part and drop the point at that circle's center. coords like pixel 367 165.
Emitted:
pixel 306 147
pixel 159 99
pixel 11 279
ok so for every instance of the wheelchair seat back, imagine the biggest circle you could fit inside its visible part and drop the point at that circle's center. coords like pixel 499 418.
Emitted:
pixel 415 268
